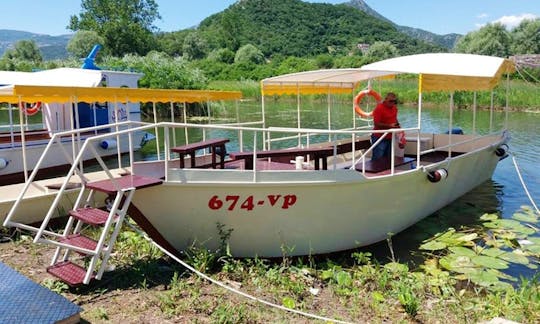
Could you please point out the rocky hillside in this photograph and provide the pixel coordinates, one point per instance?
(446, 41)
(52, 47)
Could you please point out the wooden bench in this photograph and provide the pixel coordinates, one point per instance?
(316, 154)
(382, 164)
(216, 146)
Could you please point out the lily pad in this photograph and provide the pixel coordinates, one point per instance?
(489, 217)
(463, 251)
(489, 262)
(493, 252)
(456, 263)
(483, 278)
(528, 218)
(511, 225)
(396, 267)
(514, 258)
(433, 246)
(467, 237)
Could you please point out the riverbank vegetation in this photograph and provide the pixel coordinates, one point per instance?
(462, 275)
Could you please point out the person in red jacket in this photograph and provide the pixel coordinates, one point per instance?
(384, 117)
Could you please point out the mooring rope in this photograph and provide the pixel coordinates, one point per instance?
(524, 185)
(236, 291)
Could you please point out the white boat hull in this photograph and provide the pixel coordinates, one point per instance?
(302, 212)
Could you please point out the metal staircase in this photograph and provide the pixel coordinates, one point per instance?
(91, 254)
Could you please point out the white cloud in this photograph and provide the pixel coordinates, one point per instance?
(482, 16)
(513, 21)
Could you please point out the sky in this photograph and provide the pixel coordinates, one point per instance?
(437, 16)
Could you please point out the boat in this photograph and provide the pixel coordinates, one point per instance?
(26, 127)
(236, 187)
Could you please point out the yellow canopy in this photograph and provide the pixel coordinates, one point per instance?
(328, 81)
(14, 94)
(440, 72)
(447, 71)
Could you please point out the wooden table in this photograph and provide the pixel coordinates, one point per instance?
(317, 154)
(216, 146)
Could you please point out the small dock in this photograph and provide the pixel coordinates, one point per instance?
(24, 301)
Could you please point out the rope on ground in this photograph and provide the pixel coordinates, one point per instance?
(524, 185)
(202, 275)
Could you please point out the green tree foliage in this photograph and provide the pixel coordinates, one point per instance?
(194, 46)
(82, 43)
(249, 53)
(492, 39)
(24, 50)
(223, 55)
(160, 71)
(23, 57)
(297, 28)
(526, 37)
(126, 25)
(172, 43)
(324, 61)
(382, 50)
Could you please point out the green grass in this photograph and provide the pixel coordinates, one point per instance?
(351, 286)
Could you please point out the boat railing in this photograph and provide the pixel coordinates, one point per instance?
(300, 136)
(76, 167)
(89, 146)
(451, 145)
(74, 159)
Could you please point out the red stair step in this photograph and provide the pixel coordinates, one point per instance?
(126, 181)
(68, 272)
(81, 241)
(89, 215)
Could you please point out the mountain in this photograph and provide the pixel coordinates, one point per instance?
(297, 28)
(52, 47)
(447, 41)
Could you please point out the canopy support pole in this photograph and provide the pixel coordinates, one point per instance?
(474, 114)
(154, 111)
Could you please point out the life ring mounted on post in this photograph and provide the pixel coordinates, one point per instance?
(366, 92)
(30, 109)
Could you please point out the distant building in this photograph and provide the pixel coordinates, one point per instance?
(363, 48)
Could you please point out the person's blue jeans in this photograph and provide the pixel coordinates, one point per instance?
(384, 148)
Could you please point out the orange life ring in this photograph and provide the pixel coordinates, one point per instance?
(360, 96)
(30, 110)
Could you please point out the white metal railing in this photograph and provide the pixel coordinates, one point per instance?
(74, 161)
(88, 146)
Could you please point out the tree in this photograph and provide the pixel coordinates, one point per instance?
(223, 55)
(382, 50)
(126, 25)
(526, 37)
(26, 50)
(194, 46)
(492, 39)
(82, 43)
(249, 53)
(172, 43)
(24, 56)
